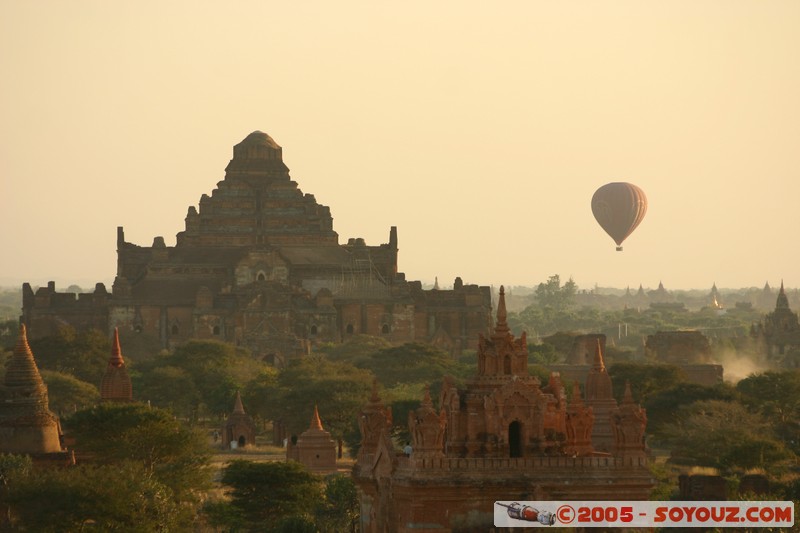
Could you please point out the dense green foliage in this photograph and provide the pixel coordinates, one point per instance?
(776, 397)
(82, 354)
(264, 493)
(9, 331)
(118, 497)
(551, 295)
(663, 404)
(724, 435)
(338, 511)
(410, 363)
(172, 454)
(338, 389)
(67, 393)
(285, 497)
(197, 378)
(645, 380)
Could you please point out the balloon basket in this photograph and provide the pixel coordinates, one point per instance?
(619, 248)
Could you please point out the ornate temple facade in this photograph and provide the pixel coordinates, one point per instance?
(260, 265)
(503, 436)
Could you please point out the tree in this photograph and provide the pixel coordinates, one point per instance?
(723, 435)
(261, 393)
(119, 497)
(551, 294)
(410, 363)
(662, 405)
(11, 466)
(67, 393)
(542, 354)
(776, 395)
(265, 493)
(644, 379)
(338, 389)
(173, 454)
(9, 331)
(83, 354)
(356, 349)
(198, 376)
(168, 387)
(338, 512)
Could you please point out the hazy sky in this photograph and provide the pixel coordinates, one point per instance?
(480, 130)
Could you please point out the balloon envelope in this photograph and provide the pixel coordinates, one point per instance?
(619, 207)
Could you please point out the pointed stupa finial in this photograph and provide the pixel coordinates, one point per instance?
(599, 364)
(316, 423)
(783, 300)
(22, 370)
(238, 408)
(116, 351)
(627, 398)
(502, 316)
(436, 283)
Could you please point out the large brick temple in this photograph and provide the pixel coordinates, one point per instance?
(260, 265)
(504, 436)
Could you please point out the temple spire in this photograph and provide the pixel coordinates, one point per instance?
(316, 423)
(116, 359)
(627, 398)
(783, 300)
(238, 408)
(22, 370)
(502, 316)
(116, 383)
(599, 364)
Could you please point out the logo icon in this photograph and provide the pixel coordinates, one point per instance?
(529, 514)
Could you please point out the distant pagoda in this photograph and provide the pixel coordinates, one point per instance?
(600, 398)
(239, 426)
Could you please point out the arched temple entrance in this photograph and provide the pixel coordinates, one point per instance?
(515, 439)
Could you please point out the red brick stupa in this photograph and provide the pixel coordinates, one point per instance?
(239, 427)
(27, 426)
(315, 448)
(116, 384)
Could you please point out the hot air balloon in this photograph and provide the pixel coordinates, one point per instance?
(619, 207)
